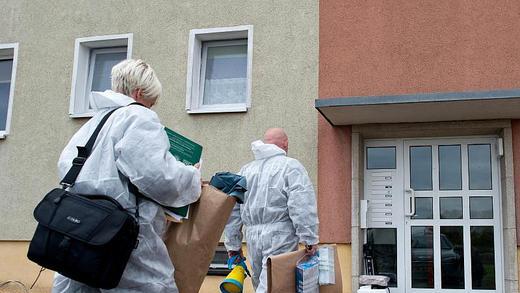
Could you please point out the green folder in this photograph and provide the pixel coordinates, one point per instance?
(183, 149)
(186, 151)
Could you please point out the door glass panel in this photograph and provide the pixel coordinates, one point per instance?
(482, 258)
(450, 207)
(381, 158)
(421, 167)
(479, 163)
(422, 257)
(481, 207)
(452, 257)
(423, 208)
(382, 244)
(450, 171)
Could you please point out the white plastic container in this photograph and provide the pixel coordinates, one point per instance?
(327, 273)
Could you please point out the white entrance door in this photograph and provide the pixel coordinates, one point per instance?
(445, 222)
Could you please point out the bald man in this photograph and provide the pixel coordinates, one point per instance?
(279, 210)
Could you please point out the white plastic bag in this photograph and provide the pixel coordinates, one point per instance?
(326, 267)
(379, 280)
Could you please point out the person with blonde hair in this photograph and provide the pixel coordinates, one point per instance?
(132, 149)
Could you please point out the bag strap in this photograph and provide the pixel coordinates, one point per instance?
(83, 154)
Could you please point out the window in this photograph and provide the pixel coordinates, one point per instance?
(8, 59)
(219, 70)
(380, 158)
(382, 246)
(94, 58)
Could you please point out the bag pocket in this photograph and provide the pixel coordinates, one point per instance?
(93, 221)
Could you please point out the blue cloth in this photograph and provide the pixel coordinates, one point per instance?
(232, 184)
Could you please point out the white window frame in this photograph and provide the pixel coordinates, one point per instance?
(82, 70)
(196, 67)
(9, 51)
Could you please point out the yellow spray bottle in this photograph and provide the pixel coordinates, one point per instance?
(234, 282)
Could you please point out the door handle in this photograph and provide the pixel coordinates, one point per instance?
(411, 203)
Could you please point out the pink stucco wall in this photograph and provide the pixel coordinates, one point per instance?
(334, 184)
(372, 47)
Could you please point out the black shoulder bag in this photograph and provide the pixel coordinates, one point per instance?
(88, 238)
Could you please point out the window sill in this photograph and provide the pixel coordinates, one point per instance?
(209, 110)
(3, 134)
(82, 115)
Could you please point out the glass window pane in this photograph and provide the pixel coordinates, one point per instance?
(382, 244)
(450, 171)
(423, 208)
(381, 158)
(422, 257)
(421, 167)
(4, 104)
(102, 69)
(481, 207)
(6, 67)
(482, 258)
(479, 163)
(452, 257)
(226, 75)
(450, 207)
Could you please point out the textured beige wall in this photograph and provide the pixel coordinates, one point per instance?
(15, 266)
(285, 59)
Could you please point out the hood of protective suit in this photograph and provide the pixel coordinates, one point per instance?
(109, 99)
(263, 150)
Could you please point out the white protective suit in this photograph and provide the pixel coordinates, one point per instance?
(279, 210)
(132, 144)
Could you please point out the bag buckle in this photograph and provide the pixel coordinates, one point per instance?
(65, 185)
(80, 161)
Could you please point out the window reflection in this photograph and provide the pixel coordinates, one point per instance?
(450, 207)
(382, 245)
(482, 258)
(225, 78)
(380, 158)
(450, 171)
(452, 257)
(102, 69)
(423, 208)
(479, 164)
(422, 257)
(6, 67)
(421, 167)
(481, 207)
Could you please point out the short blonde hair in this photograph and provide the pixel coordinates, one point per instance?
(129, 75)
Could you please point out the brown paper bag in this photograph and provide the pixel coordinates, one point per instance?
(281, 273)
(192, 243)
